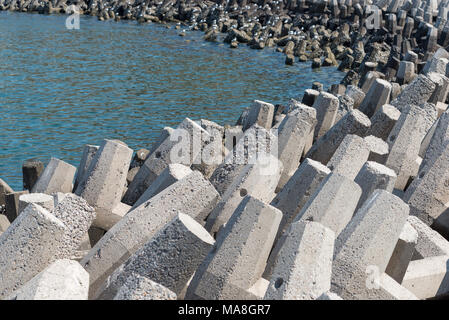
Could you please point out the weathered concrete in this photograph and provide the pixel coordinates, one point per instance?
(4, 223)
(192, 195)
(62, 280)
(383, 121)
(417, 92)
(367, 243)
(377, 96)
(326, 106)
(428, 277)
(28, 246)
(383, 287)
(378, 149)
(437, 142)
(260, 113)
(170, 258)
(57, 177)
(12, 204)
(4, 190)
(304, 264)
(89, 152)
(44, 200)
(258, 180)
(349, 157)
(173, 173)
(137, 287)
(356, 94)
(77, 215)
(31, 171)
(297, 191)
(354, 122)
(293, 133)
(329, 296)
(374, 176)
(430, 243)
(238, 259)
(105, 180)
(183, 147)
(405, 140)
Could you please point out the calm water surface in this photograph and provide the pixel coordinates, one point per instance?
(61, 89)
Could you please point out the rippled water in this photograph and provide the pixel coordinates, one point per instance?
(61, 89)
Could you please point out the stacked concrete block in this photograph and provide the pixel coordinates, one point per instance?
(4, 190)
(383, 121)
(103, 184)
(4, 223)
(377, 96)
(137, 287)
(255, 142)
(349, 157)
(62, 280)
(430, 243)
(310, 96)
(183, 147)
(260, 113)
(258, 180)
(356, 94)
(31, 171)
(77, 215)
(437, 141)
(333, 203)
(89, 152)
(403, 253)
(44, 200)
(239, 257)
(427, 278)
(369, 79)
(417, 92)
(28, 246)
(367, 244)
(326, 106)
(378, 149)
(57, 177)
(192, 195)
(406, 72)
(12, 204)
(427, 195)
(304, 264)
(374, 176)
(441, 87)
(405, 140)
(170, 258)
(165, 133)
(292, 137)
(441, 108)
(297, 191)
(354, 122)
(173, 173)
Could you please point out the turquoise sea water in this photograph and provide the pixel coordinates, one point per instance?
(61, 89)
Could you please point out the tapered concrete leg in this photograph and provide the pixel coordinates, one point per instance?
(138, 287)
(57, 177)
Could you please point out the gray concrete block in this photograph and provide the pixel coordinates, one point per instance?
(31, 171)
(4, 223)
(356, 94)
(406, 72)
(293, 133)
(192, 195)
(170, 258)
(405, 140)
(138, 287)
(374, 176)
(326, 106)
(383, 121)
(89, 152)
(367, 243)
(304, 264)
(378, 149)
(386, 288)
(12, 204)
(173, 173)
(437, 141)
(57, 177)
(105, 180)
(297, 191)
(183, 146)
(260, 113)
(239, 257)
(427, 278)
(403, 253)
(377, 96)
(62, 280)
(333, 203)
(354, 122)
(4, 190)
(349, 157)
(417, 92)
(165, 133)
(44, 200)
(28, 246)
(258, 180)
